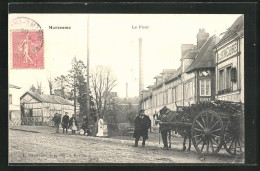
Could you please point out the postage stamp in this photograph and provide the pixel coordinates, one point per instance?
(27, 44)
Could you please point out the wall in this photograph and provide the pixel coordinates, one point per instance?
(235, 59)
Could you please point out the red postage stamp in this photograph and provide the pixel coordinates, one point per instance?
(27, 50)
(27, 44)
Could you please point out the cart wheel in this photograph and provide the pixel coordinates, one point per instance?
(234, 146)
(233, 140)
(207, 132)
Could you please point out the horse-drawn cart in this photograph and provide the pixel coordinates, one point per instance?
(210, 125)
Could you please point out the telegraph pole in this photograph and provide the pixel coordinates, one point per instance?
(88, 98)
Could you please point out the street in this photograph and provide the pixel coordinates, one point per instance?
(32, 144)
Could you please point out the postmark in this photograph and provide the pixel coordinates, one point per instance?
(27, 44)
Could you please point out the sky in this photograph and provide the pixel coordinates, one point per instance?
(113, 42)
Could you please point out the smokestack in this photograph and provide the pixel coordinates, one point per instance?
(141, 74)
(126, 96)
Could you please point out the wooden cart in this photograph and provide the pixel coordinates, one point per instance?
(215, 127)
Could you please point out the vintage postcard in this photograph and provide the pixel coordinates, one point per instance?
(126, 88)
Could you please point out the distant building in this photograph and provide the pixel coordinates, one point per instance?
(40, 108)
(230, 63)
(14, 104)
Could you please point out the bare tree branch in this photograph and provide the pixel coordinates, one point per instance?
(103, 83)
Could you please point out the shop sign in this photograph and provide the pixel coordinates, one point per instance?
(228, 51)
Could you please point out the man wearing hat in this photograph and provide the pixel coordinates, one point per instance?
(65, 122)
(56, 119)
(142, 124)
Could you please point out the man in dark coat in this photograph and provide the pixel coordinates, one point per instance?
(56, 119)
(163, 129)
(85, 125)
(142, 124)
(65, 122)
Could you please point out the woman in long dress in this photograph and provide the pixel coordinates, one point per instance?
(100, 127)
(73, 124)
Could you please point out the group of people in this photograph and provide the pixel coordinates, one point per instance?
(142, 124)
(66, 122)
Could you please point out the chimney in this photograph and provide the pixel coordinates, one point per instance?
(185, 48)
(187, 56)
(126, 96)
(141, 74)
(202, 37)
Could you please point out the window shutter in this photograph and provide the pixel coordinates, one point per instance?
(234, 75)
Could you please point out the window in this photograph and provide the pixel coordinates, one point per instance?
(169, 94)
(158, 99)
(161, 98)
(155, 101)
(221, 80)
(10, 99)
(188, 93)
(173, 95)
(228, 77)
(179, 93)
(225, 80)
(165, 98)
(205, 87)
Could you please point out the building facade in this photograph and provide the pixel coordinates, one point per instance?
(211, 70)
(192, 82)
(14, 105)
(229, 69)
(40, 108)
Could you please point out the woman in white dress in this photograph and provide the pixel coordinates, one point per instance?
(100, 127)
(73, 124)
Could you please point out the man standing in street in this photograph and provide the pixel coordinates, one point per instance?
(65, 122)
(56, 119)
(142, 124)
(163, 128)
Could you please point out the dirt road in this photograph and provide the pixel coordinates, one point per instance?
(42, 145)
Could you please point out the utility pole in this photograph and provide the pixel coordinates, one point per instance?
(75, 98)
(88, 98)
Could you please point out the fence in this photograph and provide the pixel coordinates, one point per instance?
(35, 120)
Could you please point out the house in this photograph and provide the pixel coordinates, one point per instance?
(40, 108)
(229, 56)
(14, 104)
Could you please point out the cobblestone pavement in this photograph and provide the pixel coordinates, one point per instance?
(29, 144)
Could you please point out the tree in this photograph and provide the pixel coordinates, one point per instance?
(76, 81)
(103, 83)
(51, 83)
(32, 88)
(131, 113)
(61, 88)
(39, 87)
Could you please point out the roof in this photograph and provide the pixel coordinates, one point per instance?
(158, 76)
(175, 75)
(205, 57)
(13, 86)
(48, 98)
(235, 27)
(168, 71)
(190, 55)
(146, 94)
(151, 86)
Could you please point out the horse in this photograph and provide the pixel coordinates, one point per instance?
(171, 116)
